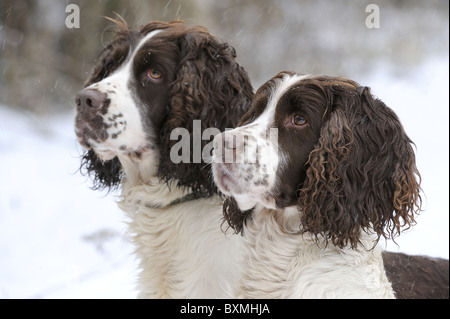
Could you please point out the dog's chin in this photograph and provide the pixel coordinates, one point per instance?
(246, 196)
(105, 155)
(225, 180)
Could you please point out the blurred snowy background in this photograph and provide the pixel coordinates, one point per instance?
(60, 239)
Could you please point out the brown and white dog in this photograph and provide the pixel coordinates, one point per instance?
(147, 84)
(319, 171)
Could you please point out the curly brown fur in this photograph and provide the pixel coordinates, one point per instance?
(362, 174)
(210, 86)
(234, 216)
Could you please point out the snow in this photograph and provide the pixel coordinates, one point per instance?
(60, 239)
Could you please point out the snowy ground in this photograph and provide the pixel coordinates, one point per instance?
(59, 239)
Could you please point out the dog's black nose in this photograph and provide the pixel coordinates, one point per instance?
(89, 99)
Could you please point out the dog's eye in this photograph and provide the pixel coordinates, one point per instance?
(298, 120)
(154, 74)
(109, 65)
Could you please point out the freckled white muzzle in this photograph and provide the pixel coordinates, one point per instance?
(245, 161)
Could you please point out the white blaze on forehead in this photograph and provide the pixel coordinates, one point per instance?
(281, 87)
(126, 68)
(147, 37)
(124, 72)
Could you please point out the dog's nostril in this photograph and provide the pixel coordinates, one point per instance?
(90, 98)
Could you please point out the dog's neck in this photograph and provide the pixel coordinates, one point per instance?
(286, 219)
(138, 171)
(286, 222)
(284, 262)
(142, 186)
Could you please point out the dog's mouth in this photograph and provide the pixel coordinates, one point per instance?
(91, 133)
(89, 130)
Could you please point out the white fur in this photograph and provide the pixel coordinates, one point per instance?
(182, 250)
(281, 264)
(256, 162)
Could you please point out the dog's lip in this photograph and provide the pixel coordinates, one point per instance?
(88, 129)
(107, 150)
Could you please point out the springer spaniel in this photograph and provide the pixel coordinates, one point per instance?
(146, 84)
(316, 174)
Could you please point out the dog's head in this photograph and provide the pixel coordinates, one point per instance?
(328, 146)
(147, 83)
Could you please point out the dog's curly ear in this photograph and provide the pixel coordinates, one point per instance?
(362, 174)
(104, 174)
(210, 86)
(234, 216)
